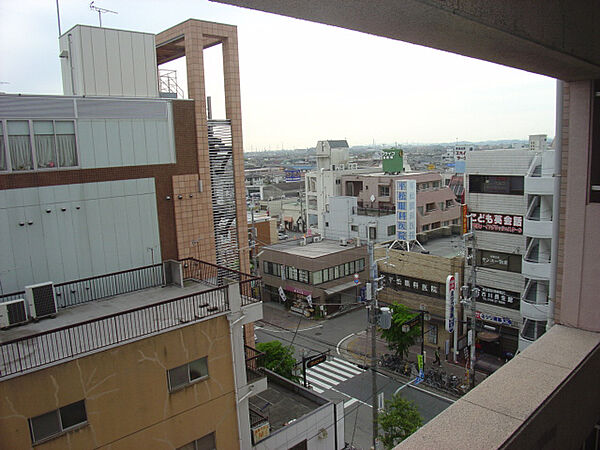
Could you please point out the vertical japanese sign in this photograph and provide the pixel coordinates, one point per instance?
(450, 300)
(465, 219)
(406, 210)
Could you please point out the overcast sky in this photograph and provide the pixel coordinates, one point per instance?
(302, 81)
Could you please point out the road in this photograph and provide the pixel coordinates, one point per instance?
(339, 374)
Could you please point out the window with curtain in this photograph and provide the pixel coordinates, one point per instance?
(19, 145)
(65, 143)
(45, 145)
(2, 149)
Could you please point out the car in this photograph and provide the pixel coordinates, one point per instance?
(282, 236)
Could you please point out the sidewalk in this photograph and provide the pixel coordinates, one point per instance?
(358, 349)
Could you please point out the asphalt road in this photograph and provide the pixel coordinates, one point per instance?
(339, 375)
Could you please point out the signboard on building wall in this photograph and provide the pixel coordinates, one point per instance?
(400, 282)
(406, 210)
(465, 219)
(491, 318)
(450, 299)
(500, 223)
(260, 432)
(499, 297)
(392, 160)
(292, 175)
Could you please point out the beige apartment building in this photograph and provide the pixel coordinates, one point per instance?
(436, 203)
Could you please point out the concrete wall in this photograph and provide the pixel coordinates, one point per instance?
(127, 400)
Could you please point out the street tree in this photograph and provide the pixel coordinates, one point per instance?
(399, 419)
(398, 340)
(278, 358)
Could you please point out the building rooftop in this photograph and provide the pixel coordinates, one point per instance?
(337, 144)
(99, 312)
(310, 250)
(446, 246)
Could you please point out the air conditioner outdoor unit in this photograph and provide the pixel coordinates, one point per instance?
(343, 242)
(317, 239)
(13, 312)
(41, 300)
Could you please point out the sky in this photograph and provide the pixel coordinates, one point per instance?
(302, 82)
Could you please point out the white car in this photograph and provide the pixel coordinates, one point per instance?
(282, 236)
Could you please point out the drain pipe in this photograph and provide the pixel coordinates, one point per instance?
(556, 201)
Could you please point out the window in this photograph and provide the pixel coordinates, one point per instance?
(19, 145)
(360, 265)
(454, 221)
(445, 223)
(372, 233)
(327, 224)
(338, 181)
(490, 184)
(2, 148)
(449, 203)
(326, 276)
(430, 207)
(271, 268)
(316, 277)
(425, 227)
(436, 184)
(187, 374)
(303, 276)
(58, 421)
(384, 191)
(353, 227)
(435, 225)
(204, 443)
(391, 230)
(291, 273)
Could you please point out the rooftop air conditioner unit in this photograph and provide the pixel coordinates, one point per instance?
(12, 313)
(41, 300)
(343, 242)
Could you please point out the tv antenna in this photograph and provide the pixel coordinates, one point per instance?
(101, 11)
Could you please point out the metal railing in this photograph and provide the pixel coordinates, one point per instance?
(76, 292)
(373, 212)
(256, 416)
(22, 354)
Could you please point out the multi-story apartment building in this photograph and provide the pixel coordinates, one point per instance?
(512, 229)
(547, 396)
(374, 193)
(333, 161)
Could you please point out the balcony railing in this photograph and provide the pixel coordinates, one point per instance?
(253, 363)
(373, 212)
(40, 349)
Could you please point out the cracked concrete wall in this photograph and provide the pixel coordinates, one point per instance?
(126, 394)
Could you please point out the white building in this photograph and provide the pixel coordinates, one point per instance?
(511, 208)
(333, 161)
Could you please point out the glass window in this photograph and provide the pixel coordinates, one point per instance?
(391, 230)
(198, 369)
(303, 276)
(178, 377)
(19, 145)
(352, 267)
(45, 145)
(317, 277)
(56, 422)
(331, 273)
(325, 275)
(336, 272)
(353, 227)
(65, 143)
(2, 149)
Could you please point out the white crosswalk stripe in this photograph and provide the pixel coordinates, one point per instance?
(331, 373)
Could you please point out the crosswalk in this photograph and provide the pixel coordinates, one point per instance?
(330, 373)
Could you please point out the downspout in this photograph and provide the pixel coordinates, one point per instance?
(556, 201)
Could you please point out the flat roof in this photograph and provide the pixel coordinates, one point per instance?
(446, 246)
(311, 250)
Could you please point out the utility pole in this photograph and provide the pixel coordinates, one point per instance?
(473, 294)
(373, 319)
(253, 243)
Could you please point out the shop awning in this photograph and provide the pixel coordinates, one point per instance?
(340, 288)
(488, 336)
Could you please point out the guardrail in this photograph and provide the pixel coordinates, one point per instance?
(33, 351)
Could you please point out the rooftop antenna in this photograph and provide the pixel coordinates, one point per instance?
(100, 11)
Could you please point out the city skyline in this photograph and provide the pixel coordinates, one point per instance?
(302, 82)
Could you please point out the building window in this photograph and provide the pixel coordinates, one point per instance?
(327, 224)
(58, 421)
(430, 207)
(436, 184)
(445, 223)
(354, 228)
(271, 268)
(490, 184)
(435, 225)
(303, 276)
(291, 273)
(204, 443)
(454, 221)
(372, 233)
(432, 334)
(189, 373)
(384, 191)
(338, 181)
(2, 148)
(19, 145)
(449, 203)
(391, 230)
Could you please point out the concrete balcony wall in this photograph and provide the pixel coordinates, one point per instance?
(534, 311)
(537, 228)
(538, 271)
(539, 185)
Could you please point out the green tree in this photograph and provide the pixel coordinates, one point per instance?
(278, 358)
(399, 420)
(398, 340)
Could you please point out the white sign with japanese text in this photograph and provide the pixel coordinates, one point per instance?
(500, 223)
(406, 210)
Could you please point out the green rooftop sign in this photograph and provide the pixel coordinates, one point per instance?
(392, 160)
